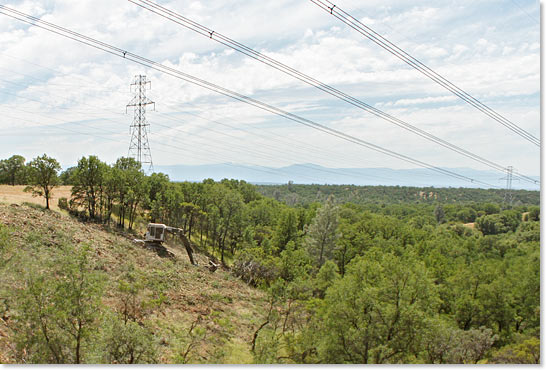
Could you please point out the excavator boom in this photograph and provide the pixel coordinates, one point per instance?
(188, 247)
(155, 234)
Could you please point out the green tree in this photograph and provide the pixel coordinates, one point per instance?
(326, 277)
(286, 229)
(490, 224)
(155, 202)
(523, 281)
(377, 311)
(43, 177)
(110, 192)
(294, 263)
(322, 233)
(439, 214)
(13, 170)
(498, 223)
(466, 215)
(525, 352)
(491, 208)
(67, 176)
(58, 308)
(262, 211)
(132, 189)
(444, 344)
(224, 210)
(89, 184)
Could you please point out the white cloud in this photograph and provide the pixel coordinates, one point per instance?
(437, 99)
(490, 52)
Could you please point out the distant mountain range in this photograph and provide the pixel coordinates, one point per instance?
(314, 174)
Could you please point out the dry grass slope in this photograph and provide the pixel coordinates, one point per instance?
(227, 310)
(15, 195)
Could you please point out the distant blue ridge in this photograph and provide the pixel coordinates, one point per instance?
(314, 174)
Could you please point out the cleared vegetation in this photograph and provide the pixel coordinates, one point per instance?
(181, 313)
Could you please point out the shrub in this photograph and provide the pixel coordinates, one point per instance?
(63, 204)
(128, 343)
(34, 206)
(498, 223)
(534, 214)
(58, 308)
(254, 267)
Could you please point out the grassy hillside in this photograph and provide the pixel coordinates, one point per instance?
(166, 297)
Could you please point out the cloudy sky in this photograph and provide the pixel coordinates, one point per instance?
(68, 100)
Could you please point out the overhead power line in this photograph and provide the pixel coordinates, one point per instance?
(208, 144)
(254, 167)
(224, 40)
(265, 155)
(288, 142)
(367, 32)
(525, 11)
(254, 153)
(226, 92)
(289, 146)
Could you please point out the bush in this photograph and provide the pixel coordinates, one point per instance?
(58, 308)
(34, 206)
(534, 214)
(526, 352)
(498, 223)
(466, 215)
(253, 267)
(63, 204)
(128, 343)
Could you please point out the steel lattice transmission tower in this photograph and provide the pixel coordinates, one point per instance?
(139, 148)
(508, 196)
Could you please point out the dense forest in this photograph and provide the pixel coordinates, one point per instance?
(351, 274)
(293, 194)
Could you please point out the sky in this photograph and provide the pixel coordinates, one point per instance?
(69, 100)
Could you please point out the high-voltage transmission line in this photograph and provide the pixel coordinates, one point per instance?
(139, 148)
(367, 32)
(224, 40)
(223, 91)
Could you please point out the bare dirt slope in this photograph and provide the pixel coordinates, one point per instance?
(227, 310)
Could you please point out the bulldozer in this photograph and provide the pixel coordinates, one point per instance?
(155, 237)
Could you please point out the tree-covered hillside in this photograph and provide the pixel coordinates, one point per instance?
(304, 194)
(331, 281)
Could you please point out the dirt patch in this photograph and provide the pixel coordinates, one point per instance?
(15, 194)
